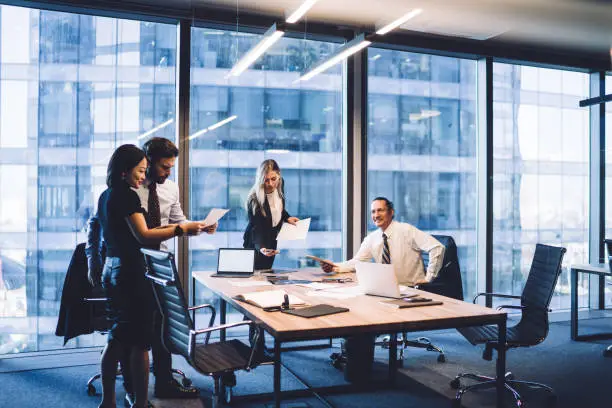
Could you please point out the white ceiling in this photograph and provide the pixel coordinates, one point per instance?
(584, 24)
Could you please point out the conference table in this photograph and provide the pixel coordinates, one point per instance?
(366, 315)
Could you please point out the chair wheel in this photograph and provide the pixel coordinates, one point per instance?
(91, 390)
(441, 358)
(186, 382)
(455, 384)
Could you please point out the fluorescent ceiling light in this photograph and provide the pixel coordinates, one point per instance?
(268, 39)
(297, 14)
(277, 151)
(355, 45)
(374, 58)
(392, 26)
(155, 129)
(213, 127)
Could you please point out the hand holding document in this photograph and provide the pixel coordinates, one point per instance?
(290, 232)
(214, 215)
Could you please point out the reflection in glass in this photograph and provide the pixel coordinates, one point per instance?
(297, 124)
(540, 192)
(73, 88)
(422, 145)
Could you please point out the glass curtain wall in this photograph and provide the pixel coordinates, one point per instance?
(541, 188)
(608, 158)
(422, 127)
(72, 88)
(264, 113)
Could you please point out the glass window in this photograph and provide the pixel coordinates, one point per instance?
(72, 89)
(422, 145)
(540, 185)
(270, 117)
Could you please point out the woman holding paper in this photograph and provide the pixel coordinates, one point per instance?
(266, 210)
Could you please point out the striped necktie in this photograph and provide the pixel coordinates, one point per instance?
(154, 213)
(386, 255)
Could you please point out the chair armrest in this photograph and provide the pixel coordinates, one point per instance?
(160, 281)
(221, 327)
(510, 307)
(207, 305)
(213, 315)
(500, 295)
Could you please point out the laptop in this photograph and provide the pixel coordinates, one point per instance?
(235, 263)
(378, 279)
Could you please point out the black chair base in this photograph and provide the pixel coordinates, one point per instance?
(484, 382)
(421, 342)
(91, 388)
(608, 352)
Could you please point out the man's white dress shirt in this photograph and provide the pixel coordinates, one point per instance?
(169, 206)
(406, 243)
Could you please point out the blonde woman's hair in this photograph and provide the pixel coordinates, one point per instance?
(257, 194)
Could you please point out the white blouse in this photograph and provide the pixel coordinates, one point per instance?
(276, 207)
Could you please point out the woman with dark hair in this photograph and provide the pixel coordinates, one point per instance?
(266, 210)
(130, 300)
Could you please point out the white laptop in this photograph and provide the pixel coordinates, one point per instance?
(235, 263)
(378, 280)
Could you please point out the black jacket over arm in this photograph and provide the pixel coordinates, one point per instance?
(261, 234)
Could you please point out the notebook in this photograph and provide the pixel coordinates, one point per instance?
(268, 298)
(235, 263)
(316, 311)
(410, 302)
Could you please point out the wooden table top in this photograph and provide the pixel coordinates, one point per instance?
(366, 313)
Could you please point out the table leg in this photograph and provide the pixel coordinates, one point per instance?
(222, 317)
(392, 358)
(602, 292)
(574, 303)
(501, 362)
(277, 373)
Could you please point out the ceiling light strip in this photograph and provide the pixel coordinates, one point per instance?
(299, 13)
(155, 129)
(213, 127)
(342, 53)
(392, 26)
(269, 38)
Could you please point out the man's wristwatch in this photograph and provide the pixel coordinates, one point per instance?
(178, 231)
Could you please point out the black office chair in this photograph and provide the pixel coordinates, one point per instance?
(532, 329)
(217, 360)
(447, 283)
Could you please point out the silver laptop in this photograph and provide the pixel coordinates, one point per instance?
(235, 263)
(377, 279)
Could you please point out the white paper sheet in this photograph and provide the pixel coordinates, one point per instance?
(291, 232)
(214, 215)
(248, 283)
(319, 285)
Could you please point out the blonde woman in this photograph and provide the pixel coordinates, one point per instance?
(266, 210)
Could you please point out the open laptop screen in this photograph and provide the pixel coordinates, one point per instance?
(236, 260)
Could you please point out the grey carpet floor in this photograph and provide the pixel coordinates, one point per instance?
(577, 371)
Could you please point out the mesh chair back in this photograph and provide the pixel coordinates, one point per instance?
(543, 276)
(176, 320)
(448, 282)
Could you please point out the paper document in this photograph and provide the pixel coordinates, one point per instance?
(244, 283)
(214, 215)
(319, 285)
(291, 232)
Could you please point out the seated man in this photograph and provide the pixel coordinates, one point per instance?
(396, 243)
